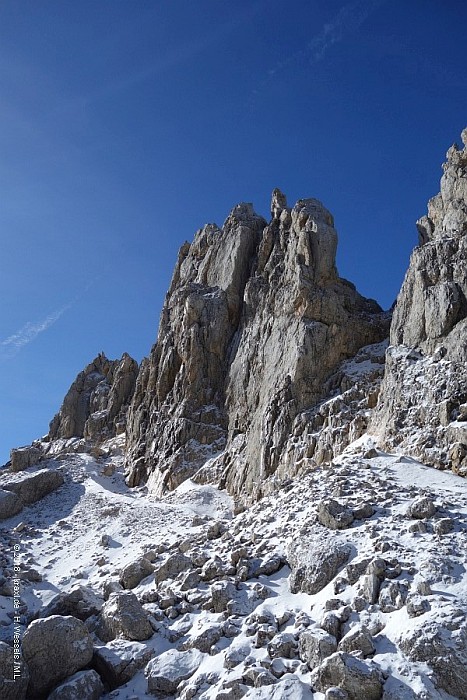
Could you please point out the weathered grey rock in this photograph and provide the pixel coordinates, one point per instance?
(96, 403)
(119, 660)
(165, 672)
(81, 602)
(82, 685)
(331, 623)
(204, 640)
(24, 457)
(315, 562)
(335, 693)
(133, 573)
(240, 349)
(30, 487)
(392, 596)
(358, 639)
(334, 515)
(444, 648)
(416, 605)
(11, 687)
(258, 677)
(53, 649)
(425, 382)
(123, 616)
(222, 593)
(10, 504)
(316, 645)
(283, 645)
(171, 567)
(357, 678)
(369, 588)
(420, 508)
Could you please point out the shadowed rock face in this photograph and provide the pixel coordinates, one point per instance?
(425, 385)
(255, 320)
(96, 403)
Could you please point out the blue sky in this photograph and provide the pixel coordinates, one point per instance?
(125, 125)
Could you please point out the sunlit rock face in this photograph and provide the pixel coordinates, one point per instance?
(96, 403)
(255, 321)
(422, 407)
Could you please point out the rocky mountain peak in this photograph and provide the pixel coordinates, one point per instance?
(95, 405)
(255, 321)
(447, 211)
(422, 405)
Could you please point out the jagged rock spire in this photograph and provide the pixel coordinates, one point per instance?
(256, 318)
(425, 385)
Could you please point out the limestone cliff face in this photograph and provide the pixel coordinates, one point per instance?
(255, 321)
(422, 402)
(95, 405)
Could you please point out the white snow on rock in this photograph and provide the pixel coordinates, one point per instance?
(225, 622)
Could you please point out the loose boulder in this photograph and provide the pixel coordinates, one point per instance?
(10, 504)
(334, 515)
(12, 688)
(84, 685)
(119, 660)
(358, 679)
(24, 457)
(166, 671)
(30, 487)
(53, 649)
(315, 562)
(123, 616)
(316, 645)
(132, 574)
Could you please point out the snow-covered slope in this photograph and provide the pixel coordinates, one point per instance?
(387, 620)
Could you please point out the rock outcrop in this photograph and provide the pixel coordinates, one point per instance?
(255, 322)
(422, 407)
(19, 490)
(95, 405)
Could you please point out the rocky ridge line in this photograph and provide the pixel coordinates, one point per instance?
(255, 321)
(423, 401)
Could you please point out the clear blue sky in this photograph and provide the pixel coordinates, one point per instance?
(125, 125)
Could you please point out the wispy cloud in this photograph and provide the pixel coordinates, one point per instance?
(29, 332)
(349, 18)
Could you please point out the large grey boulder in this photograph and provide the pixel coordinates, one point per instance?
(24, 457)
(425, 382)
(315, 561)
(165, 672)
(359, 679)
(133, 573)
(255, 321)
(30, 487)
(334, 515)
(119, 660)
(358, 639)
(171, 567)
(12, 686)
(316, 645)
(442, 645)
(84, 685)
(123, 616)
(10, 504)
(81, 602)
(53, 649)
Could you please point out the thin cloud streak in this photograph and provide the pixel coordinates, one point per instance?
(349, 18)
(29, 332)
